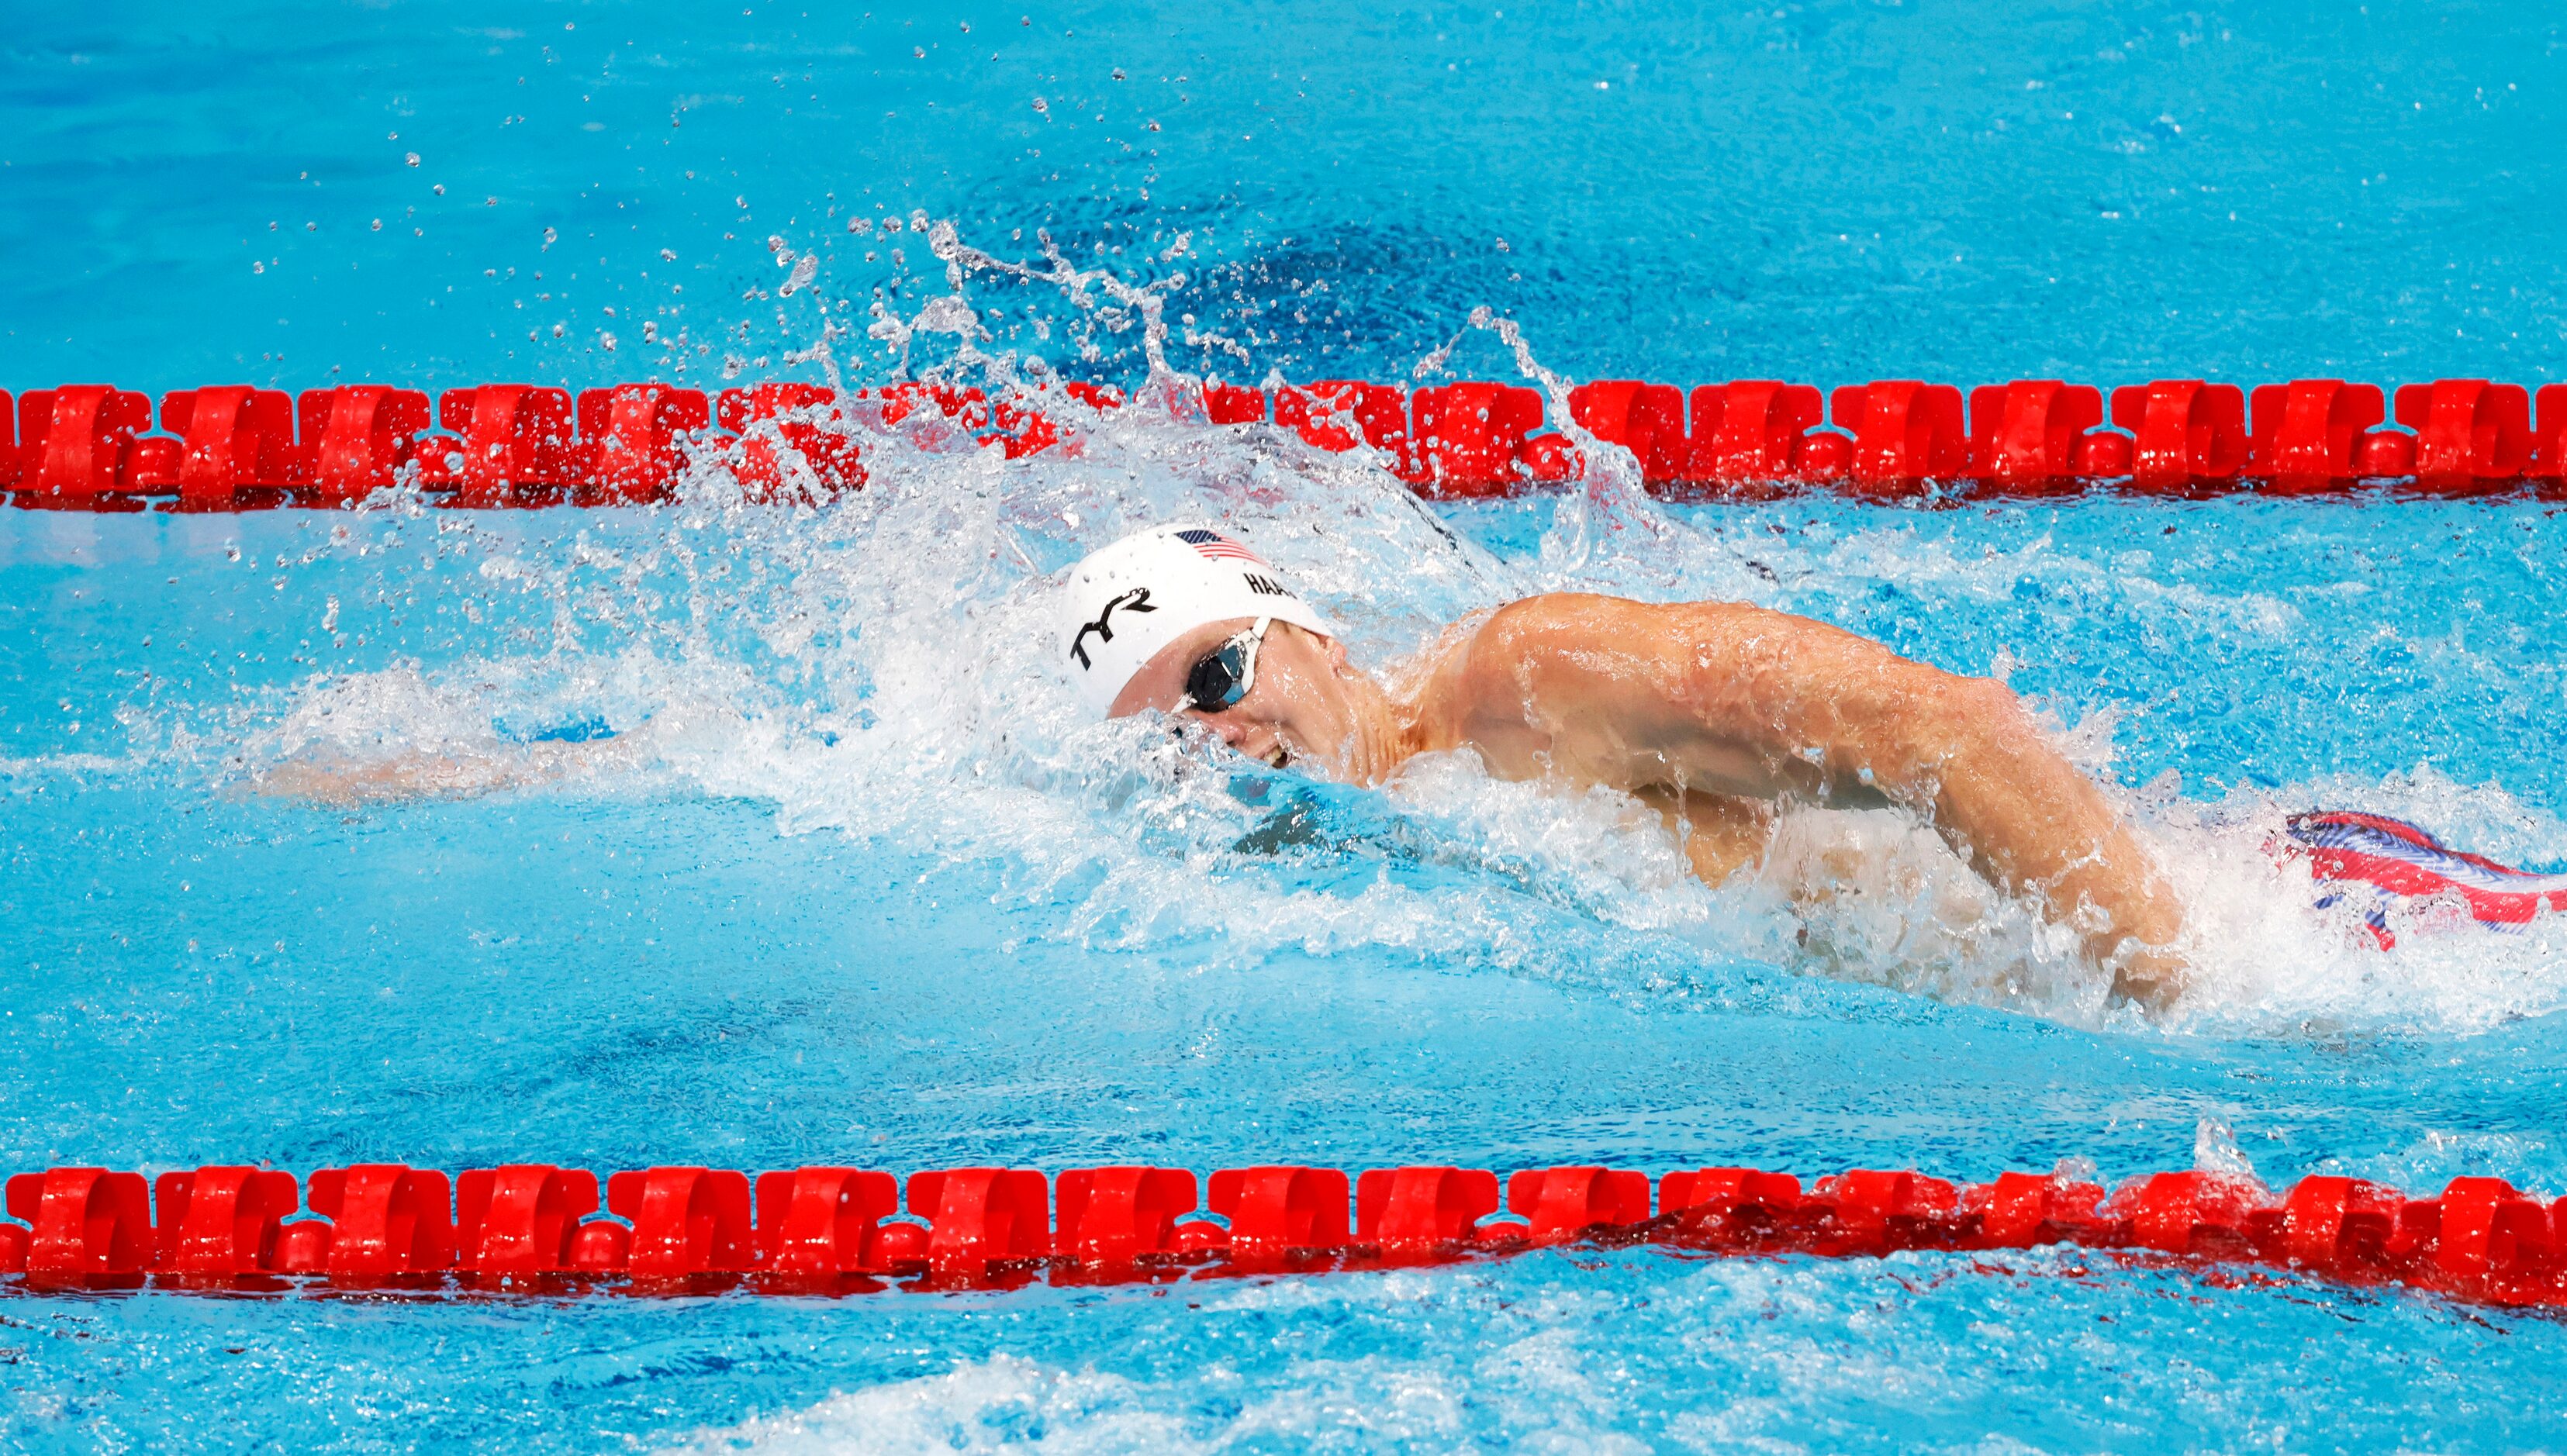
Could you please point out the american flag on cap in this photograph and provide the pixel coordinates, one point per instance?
(1212, 546)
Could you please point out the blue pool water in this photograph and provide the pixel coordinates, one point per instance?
(855, 886)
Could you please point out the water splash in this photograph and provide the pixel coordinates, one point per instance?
(2216, 1151)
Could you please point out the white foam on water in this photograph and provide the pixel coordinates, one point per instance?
(2271, 961)
(1549, 1388)
(1003, 1403)
(1552, 1353)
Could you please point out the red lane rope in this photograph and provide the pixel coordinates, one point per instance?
(234, 447)
(544, 1229)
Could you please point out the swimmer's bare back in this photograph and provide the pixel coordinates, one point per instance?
(1713, 711)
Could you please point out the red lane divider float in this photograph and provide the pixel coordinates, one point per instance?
(234, 447)
(833, 1230)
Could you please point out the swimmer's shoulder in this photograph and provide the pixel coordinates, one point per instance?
(1579, 642)
(1578, 621)
(1585, 620)
(1499, 635)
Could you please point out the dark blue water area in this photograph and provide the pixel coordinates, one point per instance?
(1829, 191)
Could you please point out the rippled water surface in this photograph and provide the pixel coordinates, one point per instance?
(848, 880)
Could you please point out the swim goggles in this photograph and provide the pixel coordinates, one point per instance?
(1223, 676)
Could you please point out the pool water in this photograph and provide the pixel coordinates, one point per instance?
(848, 881)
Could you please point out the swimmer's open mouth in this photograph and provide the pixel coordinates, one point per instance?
(1279, 757)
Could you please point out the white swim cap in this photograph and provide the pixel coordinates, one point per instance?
(1127, 600)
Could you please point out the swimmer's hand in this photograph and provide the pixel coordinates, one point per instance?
(2151, 978)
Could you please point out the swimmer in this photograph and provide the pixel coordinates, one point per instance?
(1713, 713)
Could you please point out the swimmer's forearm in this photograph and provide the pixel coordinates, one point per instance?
(419, 775)
(1739, 700)
(1963, 752)
(2032, 822)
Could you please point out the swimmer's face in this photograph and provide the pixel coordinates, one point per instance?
(1300, 712)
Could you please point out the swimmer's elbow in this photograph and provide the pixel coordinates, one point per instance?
(1953, 721)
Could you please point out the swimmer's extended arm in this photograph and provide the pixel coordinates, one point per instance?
(347, 782)
(1728, 699)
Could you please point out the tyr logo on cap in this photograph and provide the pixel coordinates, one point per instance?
(1136, 599)
(1183, 577)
